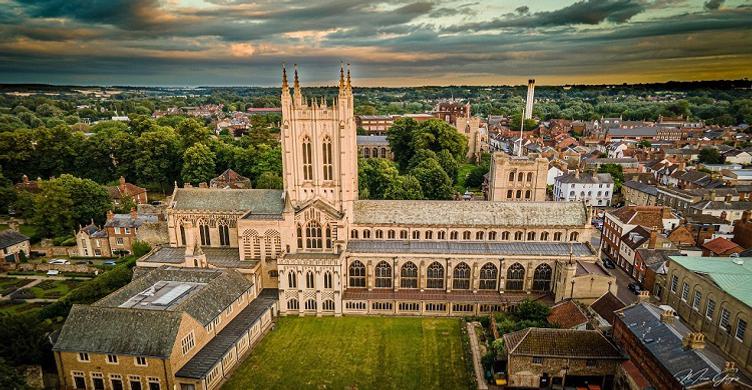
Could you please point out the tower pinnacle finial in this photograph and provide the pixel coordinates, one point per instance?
(341, 75)
(285, 87)
(349, 85)
(296, 84)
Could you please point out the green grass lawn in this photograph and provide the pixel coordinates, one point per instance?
(53, 289)
(357, 353)
(10, 284)
(28, 230)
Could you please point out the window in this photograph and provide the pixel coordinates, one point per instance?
(488, 275)
(127, 230)
(383, 275)
(367, 233)
(479, 235)
(518, 236)
(674, 283)
(309, 279)
(117, 230)
(725, 315)
(327, 279)
(313, 235)
(135, 382)
(357, 274)
(116, 382)
(409, 306)
(461, 277)
(310, 305)
(685, 292)
(453, 235)
(520, 176)
(509, 194)
(515, 277)
(119, 241)
(696, 301)
(491, 236)
(416, 235)
(390, 234)
(379, 233)
(409, 275)
(531, 236)
(574, 236)
(527, 194)
(466, 235)
(83, 357)
(293, 304)
(537, 360)
(328, 305)
(403, 234)
(112, 359)
(529, 176)
(187, 343)
(542, 278)
(79, 381)
(710, 309)
(511, 176)
(292, 280)
(153, 383)
(441, 235)
(204, 232)
(353, 233)
(299, 231)
(557, 236)
(741, 327)
(435, 276)
(97, 380)
(327, 159)
(429, 235)
(224, 235)
(519, 194)
(141, 361)
(307, 159)
(381, 306)
(355, 305)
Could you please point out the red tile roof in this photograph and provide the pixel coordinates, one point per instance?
(567, 314)
(722, 246)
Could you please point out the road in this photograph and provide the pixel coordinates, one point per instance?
(622, 279)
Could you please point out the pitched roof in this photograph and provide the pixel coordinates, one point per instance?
(732, 275)
(642, 187)
(436, 212)
(636, 237)
(128, 189)
(722, 246)
(11, 237)
(372, 140)
(126, 220)
(585, 178)
(567, 314)
(547, 342)
(469, 247)
(649, 216)
(606, 305)
(258, 201)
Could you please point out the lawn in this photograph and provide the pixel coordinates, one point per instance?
(10, 284)
(357, 353)
(53, 289)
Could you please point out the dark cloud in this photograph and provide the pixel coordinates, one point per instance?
(589, 12)
(713, 4)
(122, 13)
(522, 10)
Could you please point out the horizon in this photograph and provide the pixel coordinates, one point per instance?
(394, 43)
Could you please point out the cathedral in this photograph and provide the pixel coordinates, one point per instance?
(327, 252)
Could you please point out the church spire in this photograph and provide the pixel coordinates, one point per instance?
(297, 95)
(285, 87)
(341, 77)
(349, 86)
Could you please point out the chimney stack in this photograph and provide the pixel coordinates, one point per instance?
(643, 295)
(122, 184)
(529, 101)
(693, 340)
(134, 213)
(653, 239)
(667, 316)
(109, 215)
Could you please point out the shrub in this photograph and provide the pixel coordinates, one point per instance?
(140, 248)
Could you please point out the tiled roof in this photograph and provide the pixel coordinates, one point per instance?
(218, 257)
(642, 187)
(634, 132)
(650, 216)
(655, 256)
(457, 213)
(718, 205)
(586, 178)
(126, 220)
(469, 247)
(545, 342)
(606, 305)
(567, 314)
(130, 190)
(732, 275)
(722, 246)
(11, 237)
(258, 201)
(372, 140)
(635, 237)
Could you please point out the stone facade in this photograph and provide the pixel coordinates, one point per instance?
(517, 178)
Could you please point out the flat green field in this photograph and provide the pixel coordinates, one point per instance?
(356, 353)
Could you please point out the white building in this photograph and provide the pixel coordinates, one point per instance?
(594, 188)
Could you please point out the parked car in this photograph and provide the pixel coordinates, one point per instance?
(53, 272)
(109, 262)
(634, 287)
(609, 264)
(59, 261)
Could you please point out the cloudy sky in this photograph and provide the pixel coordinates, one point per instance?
(389, 43)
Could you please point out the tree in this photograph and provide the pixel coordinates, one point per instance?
(616, 172)
(437, 135)
(10, 378)
(90, 200)
(434, 182)
(376, 174)
(157, 159)
(191, 132)
(644, 144)
(24, 339)
(269, 180)
(531, 311)
(400, 139)
(709, 156)
(198, 164)
(449, 164)
(514, 123)
(53, 210)
(404, 187)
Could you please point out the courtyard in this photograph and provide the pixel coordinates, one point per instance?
(357, 353)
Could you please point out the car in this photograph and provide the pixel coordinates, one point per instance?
(634, 287)
(609, 264)
(53, 272)
(109, 262)
(58, 261)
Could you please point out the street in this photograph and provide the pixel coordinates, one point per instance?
(622, 279)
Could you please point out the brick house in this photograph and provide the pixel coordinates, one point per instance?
(127, 190)
(12, 244)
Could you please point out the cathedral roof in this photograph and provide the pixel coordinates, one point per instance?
(470, 247)
(258, 201)
(436, 212)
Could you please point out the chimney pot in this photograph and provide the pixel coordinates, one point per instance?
(694, 340)
(667, 316)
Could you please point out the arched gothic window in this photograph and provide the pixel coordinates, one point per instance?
(509, 194)
(544, 236)
(224, 235)
(383, 275)
(204, 232)
(310, 305)
(327, 279)
(390, 234)
(328, 305)
(492, 236)
(327, 158)
(357, 274)
(292, 280)
(299, 231)
(488, 275)
(515, 277)
(435, 276)
(518, 236)
(182, 236)
(403, 234)
(313, 235)
(453, 235)
(557, 236)
(353, 233)
(441, 235)
(529, 176)
(504, 236)
(409, 275)
(293, 304)
(511, 176)
(309, 280)
(574, 236)
(520, 176)
(328, 236)
(531, 236)
(466, 235)
(366, 233)
(542, 278)
(479, 235)
(461, 277)
(307, 159)
(527, 194)
(379, 233)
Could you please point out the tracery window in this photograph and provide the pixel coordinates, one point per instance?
(327, 159)
(383, 275)
(435, 276)
(488, 275)
(461, 277)
(542, 278)
(409, 275)
(307, 159)
(357, 273)
(205, 237)
(313, 235)
(515, 277)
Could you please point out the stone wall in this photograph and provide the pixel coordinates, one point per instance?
(83, 268)
(154, 233)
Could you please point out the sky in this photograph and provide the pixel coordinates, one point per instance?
(389, 43)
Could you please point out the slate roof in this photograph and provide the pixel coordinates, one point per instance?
(642, 187)
(563, 343)
(732, 275)
(606, 305)
(11, 237)
(586, 178)
(469, 247)
(567, 315)
(200, 365)
(635, 237)
(126, 220)
(664, 342)
(372, 140)
(119, 331)
(258, 201)
(634, 132)
(455, 213)
(218, 257)
(718, 205)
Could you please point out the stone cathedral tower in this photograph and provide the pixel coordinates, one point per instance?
(319, 148)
